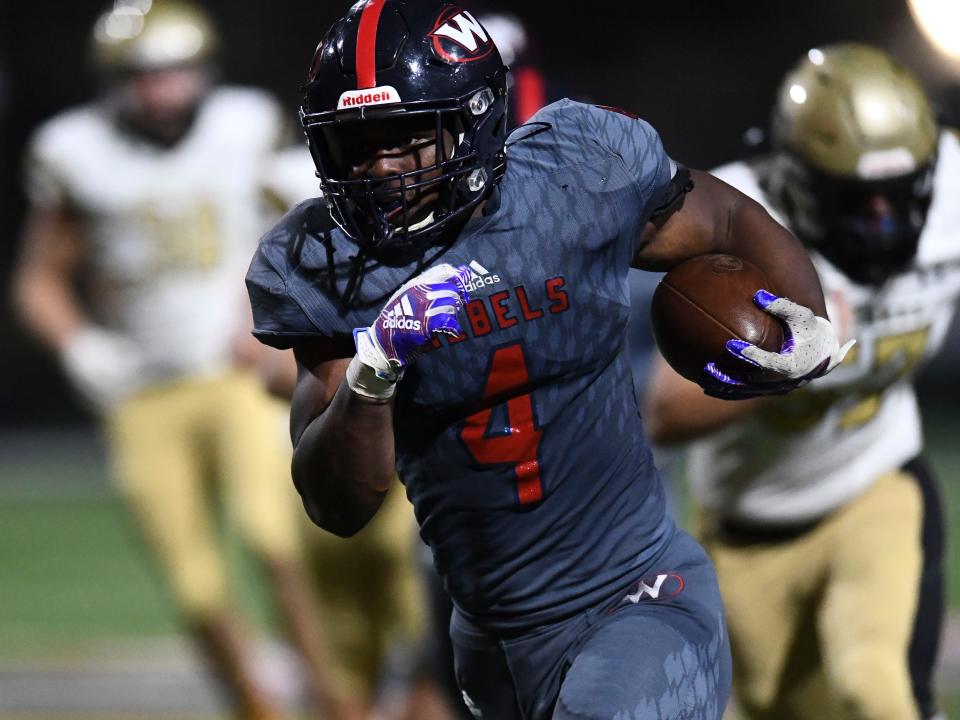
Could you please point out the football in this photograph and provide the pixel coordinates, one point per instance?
(704, 302)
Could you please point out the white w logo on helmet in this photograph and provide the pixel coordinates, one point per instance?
(464, 30)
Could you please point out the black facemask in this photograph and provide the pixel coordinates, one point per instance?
(869, 229)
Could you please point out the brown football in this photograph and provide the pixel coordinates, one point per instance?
(702, 303)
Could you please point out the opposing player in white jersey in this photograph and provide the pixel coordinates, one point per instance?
(818, 509)
(148, 198)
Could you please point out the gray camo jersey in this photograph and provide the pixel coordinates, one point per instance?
(520, 443)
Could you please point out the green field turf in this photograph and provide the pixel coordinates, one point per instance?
(72, 566)
(73, 569)
(943, 445)
(74, 575)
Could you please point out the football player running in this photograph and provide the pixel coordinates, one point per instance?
(148, 198)
(818, 509)
(457, 304)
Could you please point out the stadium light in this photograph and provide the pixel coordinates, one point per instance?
(940, 22)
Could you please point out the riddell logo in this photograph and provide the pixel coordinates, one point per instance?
(401, 317)
(480, 277)
(383, 95)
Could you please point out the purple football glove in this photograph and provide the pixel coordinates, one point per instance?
(811, 349)
(422, 307)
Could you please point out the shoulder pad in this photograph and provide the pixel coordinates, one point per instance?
(285, 277)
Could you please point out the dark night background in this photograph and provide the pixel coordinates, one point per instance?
(701, 73)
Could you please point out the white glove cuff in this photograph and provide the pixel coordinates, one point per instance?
(369, 382)
(371, 354)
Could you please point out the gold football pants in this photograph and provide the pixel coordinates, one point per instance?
(370, 592)
(839, 621)
(182, 449)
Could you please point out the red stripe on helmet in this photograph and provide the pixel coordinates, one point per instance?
(367, 45)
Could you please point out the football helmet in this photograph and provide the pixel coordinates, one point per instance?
(855, 143)
(142, 36)
(155, 60)
(406, 63)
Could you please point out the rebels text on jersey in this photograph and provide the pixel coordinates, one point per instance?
(519, 442)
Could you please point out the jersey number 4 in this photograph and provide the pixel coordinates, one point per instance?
(518, 441)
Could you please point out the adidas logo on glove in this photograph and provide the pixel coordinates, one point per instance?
(401, 317)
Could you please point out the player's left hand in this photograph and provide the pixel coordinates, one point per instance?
(811, 349)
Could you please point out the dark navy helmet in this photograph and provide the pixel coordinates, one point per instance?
(404, 64)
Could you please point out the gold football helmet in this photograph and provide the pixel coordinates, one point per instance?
(855, 143)
(140, 35)
(155, 58)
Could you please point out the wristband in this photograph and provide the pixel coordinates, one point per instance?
(369, 383)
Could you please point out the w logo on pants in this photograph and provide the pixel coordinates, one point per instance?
(658, 587)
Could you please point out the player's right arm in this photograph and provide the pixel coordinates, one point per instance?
(102, 365)
(343, 460)
(43, 279)
(342, 416)
(52, 247)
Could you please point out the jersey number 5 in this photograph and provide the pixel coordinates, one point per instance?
(519, 440)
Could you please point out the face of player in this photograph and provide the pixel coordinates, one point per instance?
(872, 213)
(874, 228)
(161, 104)
(395, 153)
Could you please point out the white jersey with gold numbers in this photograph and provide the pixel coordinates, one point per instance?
(169, 231)
(813, 450)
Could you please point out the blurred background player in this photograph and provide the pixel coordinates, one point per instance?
(818, 509)
(144, 212)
